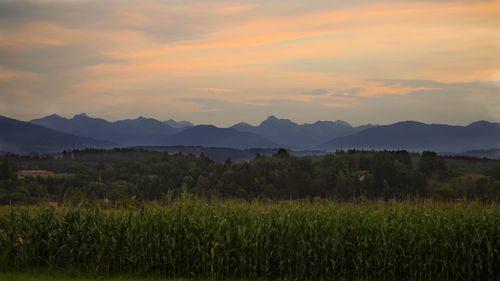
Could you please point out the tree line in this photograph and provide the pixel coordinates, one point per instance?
(135, 175)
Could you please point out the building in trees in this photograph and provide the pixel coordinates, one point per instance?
(34, 173)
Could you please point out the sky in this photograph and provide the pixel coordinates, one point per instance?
(223, 62)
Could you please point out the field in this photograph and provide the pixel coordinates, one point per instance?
(289, 240)
(45, 276)
(57, 276)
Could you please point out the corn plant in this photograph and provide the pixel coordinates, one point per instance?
(283, 240)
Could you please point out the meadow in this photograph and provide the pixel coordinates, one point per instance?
(285, 240)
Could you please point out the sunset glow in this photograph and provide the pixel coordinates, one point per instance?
(222, 62)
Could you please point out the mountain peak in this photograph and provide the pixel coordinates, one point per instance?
(178, 124)
(144, 119)
(49, 118)
(54, 115)
(206, 126)
(342, 122)
(81, 115)
(337, 122)
(271, 120)
(480, 123)
(408, 123)
(241, 124)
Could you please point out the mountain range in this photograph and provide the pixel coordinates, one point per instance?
(54, 132)
(304, 136)
(23, 137)
(416, 136)
(128, 132)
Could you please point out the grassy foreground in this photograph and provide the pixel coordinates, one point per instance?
(286, 240)
(26, 276)
(44, 276)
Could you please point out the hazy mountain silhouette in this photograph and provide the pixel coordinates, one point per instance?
(139, 131)
(417, 136)
(221, 154)
(481, 153)
(211, 136)
(291, 134)
(82, 130)
(23, 137)
(178, 124)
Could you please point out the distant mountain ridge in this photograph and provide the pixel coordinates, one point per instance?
(178, 124)
(211, 136)
(293, 135)
(416, 136)
(482, 153)
(82, 131)
(139, 131)
(23, 137)
(221, 154)
(148, 131)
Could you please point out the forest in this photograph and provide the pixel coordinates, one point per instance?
(136, 175)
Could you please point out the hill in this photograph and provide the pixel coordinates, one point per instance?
(482, 153)
(415, 136)
(23, 137)
(211, 136)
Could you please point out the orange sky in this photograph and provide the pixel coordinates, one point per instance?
(228, 61)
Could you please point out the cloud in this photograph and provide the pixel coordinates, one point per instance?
(217, 90)
(203, 58)
(10, 75)
(352, 92)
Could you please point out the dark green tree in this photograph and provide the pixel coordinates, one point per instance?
(430, 163)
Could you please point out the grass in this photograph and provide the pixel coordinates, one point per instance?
(40, 276)
(283, 240)
(46, 276)
(59, 276)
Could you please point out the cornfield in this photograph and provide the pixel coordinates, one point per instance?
(286, 241)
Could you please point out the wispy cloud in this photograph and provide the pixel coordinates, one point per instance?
(217, 90)
(315, 59)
